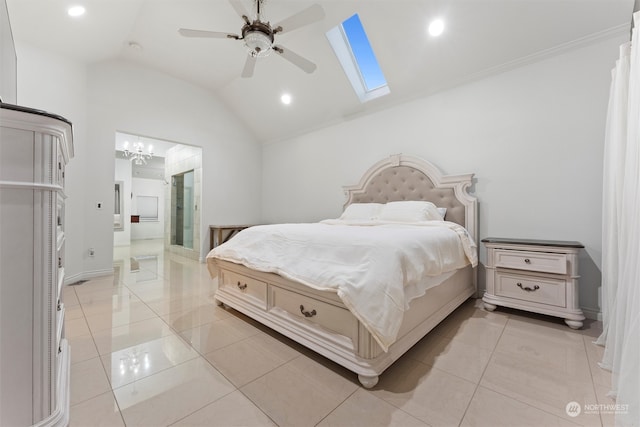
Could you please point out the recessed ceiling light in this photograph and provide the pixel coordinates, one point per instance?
(436, 27)
(76, 11)
(286, 99)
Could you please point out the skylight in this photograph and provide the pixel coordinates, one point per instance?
(351, 45)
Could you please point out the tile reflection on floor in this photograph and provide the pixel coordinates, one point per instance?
(149, 347)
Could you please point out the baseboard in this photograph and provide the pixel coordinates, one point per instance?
(86, 275)
(592, 313)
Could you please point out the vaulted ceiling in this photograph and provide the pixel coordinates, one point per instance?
(481, 37)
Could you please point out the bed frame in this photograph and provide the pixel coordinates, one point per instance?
(318, 319)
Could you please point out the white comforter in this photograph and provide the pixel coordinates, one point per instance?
(375, 268)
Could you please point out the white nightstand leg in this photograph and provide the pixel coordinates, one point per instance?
(573, 324)
(489, 307)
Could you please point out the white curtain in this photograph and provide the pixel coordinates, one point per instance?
(621, 234)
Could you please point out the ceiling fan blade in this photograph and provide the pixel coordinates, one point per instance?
(207, 34)
(249, 66)
(297, 60)
(307, 16)
(240, 10)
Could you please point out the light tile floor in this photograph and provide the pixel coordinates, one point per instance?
(151, 348)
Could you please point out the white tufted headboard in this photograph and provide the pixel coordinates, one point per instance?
(402, 177)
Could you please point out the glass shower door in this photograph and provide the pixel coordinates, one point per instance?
(182, 210)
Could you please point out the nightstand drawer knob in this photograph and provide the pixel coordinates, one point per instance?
(526, 288)
(527, 261)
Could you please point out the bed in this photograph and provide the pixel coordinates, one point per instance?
(325, 319)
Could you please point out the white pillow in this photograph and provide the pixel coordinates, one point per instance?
(442, 212)
(410, 211)
(361, 211)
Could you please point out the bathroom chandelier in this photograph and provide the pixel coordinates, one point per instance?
(137, 154)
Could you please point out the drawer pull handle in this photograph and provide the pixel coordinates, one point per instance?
(307, 313)
(526, 288)
(242, 287)
(527, 261)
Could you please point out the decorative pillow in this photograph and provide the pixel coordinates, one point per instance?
(361, 211)
(442, 212)
(410, 211)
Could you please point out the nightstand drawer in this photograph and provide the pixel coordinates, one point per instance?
(531, 261)
(543, 290)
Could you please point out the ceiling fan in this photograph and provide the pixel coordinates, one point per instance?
(259, 36)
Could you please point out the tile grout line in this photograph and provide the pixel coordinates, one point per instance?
(475, 390)
(515, 398)
(113, 396)
(337, 406)
(255, 379)
(236, 388)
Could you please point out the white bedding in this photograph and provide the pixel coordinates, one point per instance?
(375, 267)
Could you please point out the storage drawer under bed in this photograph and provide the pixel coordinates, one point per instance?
(255, 289)
(331, 317)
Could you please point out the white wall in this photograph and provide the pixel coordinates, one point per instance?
(8, 68)
(123, 173)
(151, 229)
(58, 84)
(533, 136)
(116, 96)
(133, 187)
(129, 98)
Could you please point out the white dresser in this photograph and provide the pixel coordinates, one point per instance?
(34, 355)
(534, 275)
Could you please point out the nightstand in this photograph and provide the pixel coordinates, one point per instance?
(218, 234)
(534, 275)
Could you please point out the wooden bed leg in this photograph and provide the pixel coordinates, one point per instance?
(368, 381)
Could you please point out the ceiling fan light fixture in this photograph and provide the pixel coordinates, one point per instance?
(258, 43)
(258, 37)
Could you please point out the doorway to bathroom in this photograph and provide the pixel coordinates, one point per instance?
(182, 209)
(183, 170)
(147, 189)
